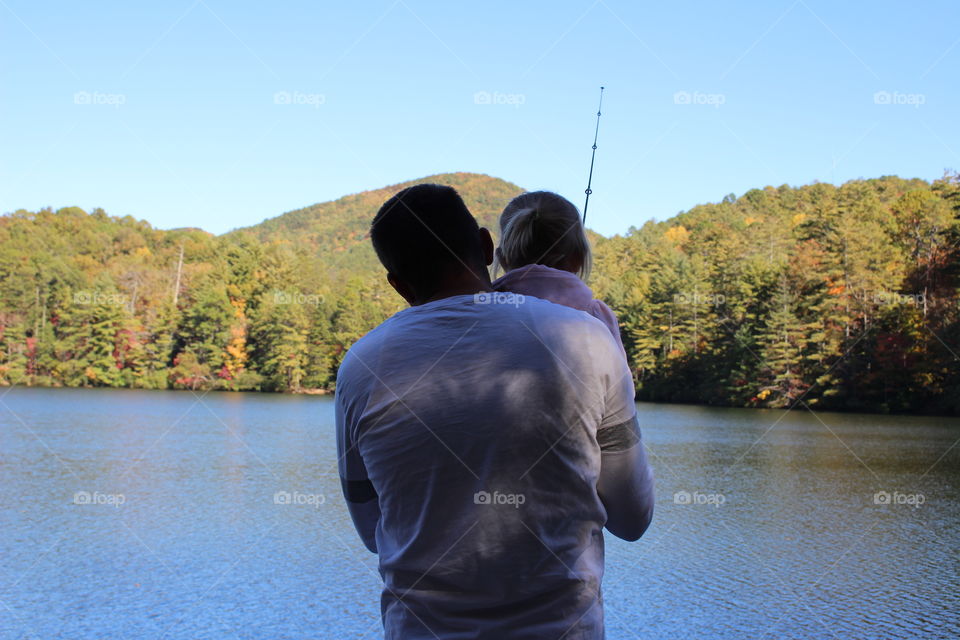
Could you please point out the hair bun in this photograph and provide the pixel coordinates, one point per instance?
(528, 211)
(541, 227)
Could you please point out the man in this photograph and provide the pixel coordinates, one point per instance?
(485, 440)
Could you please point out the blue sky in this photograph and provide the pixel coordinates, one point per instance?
(219, 114)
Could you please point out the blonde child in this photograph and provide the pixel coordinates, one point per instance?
(544, 252)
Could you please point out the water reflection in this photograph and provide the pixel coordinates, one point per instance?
(775, 530)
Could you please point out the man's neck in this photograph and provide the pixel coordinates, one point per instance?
(459, 287)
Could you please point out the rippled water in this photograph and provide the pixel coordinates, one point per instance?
(127, 514)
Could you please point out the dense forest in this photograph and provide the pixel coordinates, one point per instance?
(836, 297)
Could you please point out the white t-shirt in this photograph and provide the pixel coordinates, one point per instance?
(476, 423)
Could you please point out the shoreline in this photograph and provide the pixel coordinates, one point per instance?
(331, 392)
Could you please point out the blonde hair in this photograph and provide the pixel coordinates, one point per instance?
(541, 227)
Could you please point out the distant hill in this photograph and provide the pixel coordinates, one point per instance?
(337, 231)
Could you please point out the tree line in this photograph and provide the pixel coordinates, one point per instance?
(832, 297)
(835, 297)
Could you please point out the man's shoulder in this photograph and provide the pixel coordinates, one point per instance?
(364, 350)
(546, 320)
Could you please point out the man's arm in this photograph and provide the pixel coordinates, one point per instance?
(364, 509)
(626, 481)
(625, 485)
(358, 491)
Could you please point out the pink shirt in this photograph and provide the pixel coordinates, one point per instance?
(559, 287)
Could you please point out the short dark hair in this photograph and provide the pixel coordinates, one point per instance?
(424, 233)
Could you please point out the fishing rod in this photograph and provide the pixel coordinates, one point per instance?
(593, 157)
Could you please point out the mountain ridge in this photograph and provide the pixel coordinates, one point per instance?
(456, 179)
(336, 231)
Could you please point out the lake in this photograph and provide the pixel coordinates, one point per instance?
(163, 514)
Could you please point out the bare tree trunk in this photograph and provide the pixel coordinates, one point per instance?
(36, 320)
(176, 287)
(133, 297)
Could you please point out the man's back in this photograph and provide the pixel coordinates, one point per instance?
(477, 426)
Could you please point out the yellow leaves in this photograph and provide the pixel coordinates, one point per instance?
(87, 264)
(237, 349)
(142, 252)
(237, 352)
(239, 306)
(763, 394)
(749, 220)
(798, 219)
(677, 236)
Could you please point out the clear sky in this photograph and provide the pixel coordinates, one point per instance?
(219, 114)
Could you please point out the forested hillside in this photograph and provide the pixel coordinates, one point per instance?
(93, 300)
(841, 297)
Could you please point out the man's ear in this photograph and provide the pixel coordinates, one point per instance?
(486, 242)
(401, 287)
